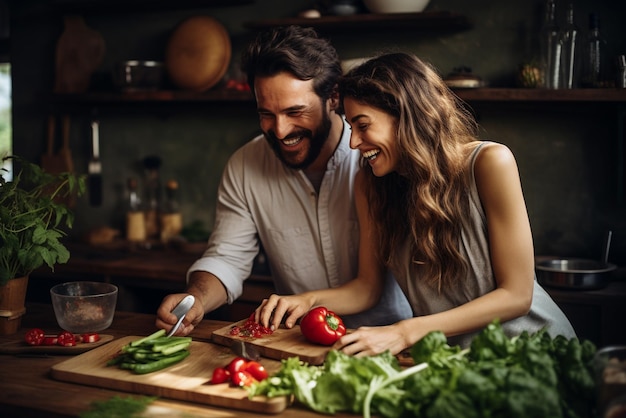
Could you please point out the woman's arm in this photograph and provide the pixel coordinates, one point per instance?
(355, 296)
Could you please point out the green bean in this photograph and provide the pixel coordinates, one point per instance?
(151, 353)
(152, 336)
(166, 345)
(160, 364)
(171, 349)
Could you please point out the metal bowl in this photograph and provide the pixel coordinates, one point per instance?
(574, 273)
(396, 6)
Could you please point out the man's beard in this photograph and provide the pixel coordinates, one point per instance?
(317, 140)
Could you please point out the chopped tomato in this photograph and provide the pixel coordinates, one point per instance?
(236, 365)
(66, 339)
(240, 372)
(220, 375)
(50, 340)
(250, 328)
(91, 337)
(256, 369)
(242, 378)
(34, 336)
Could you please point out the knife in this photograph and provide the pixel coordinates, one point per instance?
(245, 349)
(180, 311)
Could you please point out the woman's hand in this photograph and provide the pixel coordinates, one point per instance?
(369, 341)
(272, 310)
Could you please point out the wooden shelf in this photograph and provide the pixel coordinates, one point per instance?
(541, 95)
(116, 7)
(431, 21)
(160, 96)
(223, 95)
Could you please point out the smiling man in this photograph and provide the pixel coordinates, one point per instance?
(290, 189)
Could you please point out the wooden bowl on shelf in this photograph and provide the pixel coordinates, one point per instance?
(198, 53)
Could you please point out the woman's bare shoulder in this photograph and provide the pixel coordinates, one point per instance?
(494, 155)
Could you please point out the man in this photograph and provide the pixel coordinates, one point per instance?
(290, 189)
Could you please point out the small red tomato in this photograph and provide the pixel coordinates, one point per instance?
(242, 378)
(257, 370)
(66, 339)
(50, 340)
(237, 364)
(34, 336)
(90, 337)
(220, 375)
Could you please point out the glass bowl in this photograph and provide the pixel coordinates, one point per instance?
(81, 307)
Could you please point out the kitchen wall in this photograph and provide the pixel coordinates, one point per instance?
(567, 153)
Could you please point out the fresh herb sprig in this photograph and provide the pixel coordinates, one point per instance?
(119, 407)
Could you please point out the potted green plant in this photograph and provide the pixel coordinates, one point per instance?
(33, 215)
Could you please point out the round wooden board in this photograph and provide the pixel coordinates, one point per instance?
(198, 53)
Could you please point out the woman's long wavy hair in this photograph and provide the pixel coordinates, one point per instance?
(425, 200)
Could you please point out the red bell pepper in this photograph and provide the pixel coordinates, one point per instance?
(322, 326)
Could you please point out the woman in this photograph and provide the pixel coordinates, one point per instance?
(441, 209)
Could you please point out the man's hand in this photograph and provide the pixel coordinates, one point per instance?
(210, 294)
(166, 319)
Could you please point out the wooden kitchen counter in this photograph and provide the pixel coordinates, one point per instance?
(144, 276)
(26, 388)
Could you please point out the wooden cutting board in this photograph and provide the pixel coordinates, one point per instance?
(188, 380)
(282, 343)
(18, 346)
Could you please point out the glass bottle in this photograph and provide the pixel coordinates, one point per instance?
(593, 74)
(171, 218)
(135, 217)
(621, 71)
(550, 47)
(569, 50)
(153, 195)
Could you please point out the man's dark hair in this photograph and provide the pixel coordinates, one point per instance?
(297, 50)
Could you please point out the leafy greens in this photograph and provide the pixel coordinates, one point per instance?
(527, 375)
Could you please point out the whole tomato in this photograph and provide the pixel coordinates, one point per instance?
(322, 326)
(220, 375)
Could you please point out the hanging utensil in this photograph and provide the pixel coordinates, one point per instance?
(58, 162)
(607, 247)
(95, 167)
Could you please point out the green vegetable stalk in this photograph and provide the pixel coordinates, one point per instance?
(152, 353)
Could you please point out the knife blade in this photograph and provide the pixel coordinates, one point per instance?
(245, 349)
